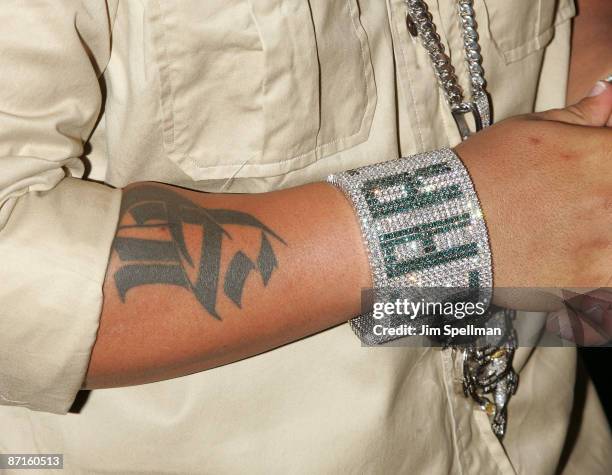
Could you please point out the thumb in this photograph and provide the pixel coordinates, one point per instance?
(594, 110)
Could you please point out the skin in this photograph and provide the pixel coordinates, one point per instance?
(589, 322)
(591, 40)
(163, 331)
(545, 231)
(540, 159)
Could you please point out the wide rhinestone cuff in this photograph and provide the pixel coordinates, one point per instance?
(422, 225)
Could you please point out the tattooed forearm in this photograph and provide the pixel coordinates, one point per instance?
(147, 260)
(183, 260)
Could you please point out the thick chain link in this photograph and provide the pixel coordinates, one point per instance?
(420, 23)
(471, 46)
(419, 14)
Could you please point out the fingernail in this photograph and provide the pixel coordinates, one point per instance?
(595, 313)
(609, 79)
(600, 86)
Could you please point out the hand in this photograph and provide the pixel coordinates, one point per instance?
(545, 183)
(586, 319)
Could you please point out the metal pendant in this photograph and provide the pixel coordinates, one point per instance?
(480, 108)
(488, 375)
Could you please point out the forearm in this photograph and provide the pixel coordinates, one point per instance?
(591, 40)
(190, 287)
(199, 280)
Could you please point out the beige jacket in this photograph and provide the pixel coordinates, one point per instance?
(249, 96)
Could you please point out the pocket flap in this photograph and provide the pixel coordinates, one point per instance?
(520, 27)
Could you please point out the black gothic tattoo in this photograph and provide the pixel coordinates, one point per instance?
(148, 261)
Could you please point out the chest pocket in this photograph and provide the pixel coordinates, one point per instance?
(255, 88)
(520, 27)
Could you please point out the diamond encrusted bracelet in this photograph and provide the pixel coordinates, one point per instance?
(422, 226)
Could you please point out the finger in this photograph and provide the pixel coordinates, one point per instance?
(595, 110)
(593, 333)
(574, 327)
(596, 309)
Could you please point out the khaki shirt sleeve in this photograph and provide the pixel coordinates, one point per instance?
(55, 228)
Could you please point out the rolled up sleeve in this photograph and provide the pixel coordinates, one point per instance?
(56, 229)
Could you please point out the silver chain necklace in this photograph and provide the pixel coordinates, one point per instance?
(420, 23)
(488, 376)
